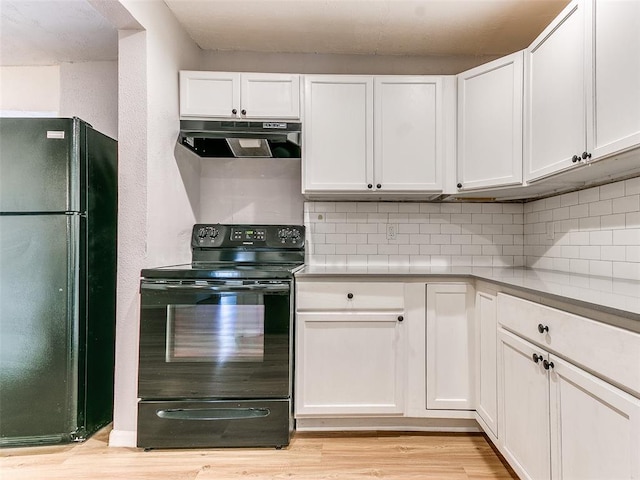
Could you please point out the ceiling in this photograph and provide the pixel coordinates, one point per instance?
(38, 32)
(373, 27)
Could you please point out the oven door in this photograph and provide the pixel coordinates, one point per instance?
(215, 339)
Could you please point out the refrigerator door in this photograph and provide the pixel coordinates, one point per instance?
(38, 328)
(39, 165)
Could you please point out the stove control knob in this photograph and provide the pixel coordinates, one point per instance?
(202, 232)
(295, 235)
(212, 232)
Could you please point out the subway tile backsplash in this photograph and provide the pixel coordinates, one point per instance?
(426, 234)
(594, 231)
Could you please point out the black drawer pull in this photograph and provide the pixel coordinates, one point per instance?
(543, 328)
(349, 296)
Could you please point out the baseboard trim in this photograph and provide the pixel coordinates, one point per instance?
(389, 424)
(122, 438)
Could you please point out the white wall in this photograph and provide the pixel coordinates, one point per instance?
(156, 190)
(89, 90)
(30, 91)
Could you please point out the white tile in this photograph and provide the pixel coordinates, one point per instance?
(503, 239)
(336, 217)
(418, 238)
(599, 267)
(429, 208)
(451, 208)
(569, 199)
(346, 249)
(473, 229)
(439, 218)
(632, 220)
(628, 270)
(481, 239)
(377, 217)
(325, 249)
(614, 253)
(378, 260)
(450, 228)
(366, 207)
(356, 238)
(589, 252)
(325, 228)
(399, 260)
(603, 207)
(513, 208)
(491, 250)
(629, 236)
(399, 217)
(612, 190)
(579, 211)
(538, 206)
(580, 238)
(335, 238)
(409, 208)
(602, 237)
(420, 260)
(316, 259)
(418, 218)
(441, 239)
(309, 206)
(616, 221)
(440, 261)
(409, 228)
(388, 249)
(534, 217)
(428, 228)
(561, 264)
(459, 218)
(356, 217)
(388, 207)
(482, 261)
(481, 218)
(630, 203)
(513, 229)
(460, 239)
(346, 207)
(367, 249)
(461, 260)
(318, 238)
(491, 208)
(366, 228)
(346, 227)
(356, 260)
(502, 218)
(632, 186)
(579, 266)
(378, 238)
(590, 223)
(401, 239)
(589, 195)
(336, 260)
(409, 249)
(426, 249)
(492, 229)
(325, 207)
(450, 249)
(512, 250)
(552, 202)
(560, 214)
(471, 208)
(633, 253)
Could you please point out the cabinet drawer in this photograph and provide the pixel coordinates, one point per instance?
(349, 296)
(609, 351)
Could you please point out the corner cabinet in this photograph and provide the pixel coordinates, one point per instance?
(235, 95)
(561, 416)
(490, 110)
(450, 346)
(379, 135)
(582, 87)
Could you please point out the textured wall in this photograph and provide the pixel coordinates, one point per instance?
(28, 91)
(89, 90)
(430, 234)
(594, 231)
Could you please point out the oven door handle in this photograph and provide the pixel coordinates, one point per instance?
(274, 287)
(212, 413)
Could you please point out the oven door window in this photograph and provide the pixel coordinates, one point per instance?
(230, 331)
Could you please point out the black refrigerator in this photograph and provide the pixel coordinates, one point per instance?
(58, 218)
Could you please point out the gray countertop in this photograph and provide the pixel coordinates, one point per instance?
(608, 295)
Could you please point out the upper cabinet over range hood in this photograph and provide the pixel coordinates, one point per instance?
(241, 139)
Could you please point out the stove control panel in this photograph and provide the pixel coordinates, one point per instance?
(247, 236)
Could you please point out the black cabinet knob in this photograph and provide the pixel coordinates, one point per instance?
(400, 318)
(349, 296)
(585, 155)
(378, 186)
(234, 111)
(459, 185)
(537, 358)
(547, 365)
(575, 158)
(542, 328)
(243, 112)
(370, 186)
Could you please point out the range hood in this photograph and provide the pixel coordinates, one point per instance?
(241, 139)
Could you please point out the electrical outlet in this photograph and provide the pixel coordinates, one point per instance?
(391, 232)
(550, 231)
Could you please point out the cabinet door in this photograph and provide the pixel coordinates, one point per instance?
(486, 360)
(523, 403)
(450, 343)
(595, 428)
(490, 100)
(614, 74)
(209, 94)
(338, 133)
(555, 128)
(408, 130)
(271, 96)
(348, 364)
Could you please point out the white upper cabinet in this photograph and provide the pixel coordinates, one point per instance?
(490, 106)
(338, 133)
(555, 124)
(408, 133)
(582, 84)
(373, 134)
(614, 40)
(239, 95)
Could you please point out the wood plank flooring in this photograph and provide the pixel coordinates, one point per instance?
(357, 456)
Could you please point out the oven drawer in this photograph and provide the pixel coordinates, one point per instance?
(349, 296)
(196, 424)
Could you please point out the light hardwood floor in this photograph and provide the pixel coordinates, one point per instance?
(397, 456)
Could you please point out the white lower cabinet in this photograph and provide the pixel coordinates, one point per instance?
(556, 419)
(349, 363)
(486, 362)
(450, 343)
